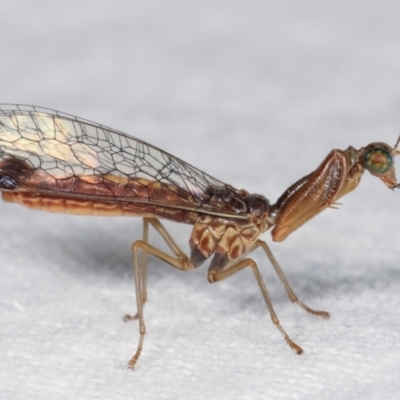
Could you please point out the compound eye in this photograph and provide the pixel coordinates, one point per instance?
(378, 160)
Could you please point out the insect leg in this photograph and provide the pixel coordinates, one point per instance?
(143, 262)
(179, 261)
(143, 265)
(215, 275)
(285, 282)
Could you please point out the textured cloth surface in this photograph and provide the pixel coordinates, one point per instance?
(255, 93)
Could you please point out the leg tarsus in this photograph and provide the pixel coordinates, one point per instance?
(129, 317)
(133, 360)
(295, 347)
(319, 313)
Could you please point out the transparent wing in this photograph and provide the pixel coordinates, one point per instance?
(58, 153)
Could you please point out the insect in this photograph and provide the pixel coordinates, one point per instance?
(56, 162)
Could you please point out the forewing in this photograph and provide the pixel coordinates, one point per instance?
(52, 152)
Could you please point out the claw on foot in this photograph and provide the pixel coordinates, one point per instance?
(128, 317)
(294, 346)
(323, 314)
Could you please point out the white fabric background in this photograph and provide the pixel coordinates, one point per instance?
(255, 93)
